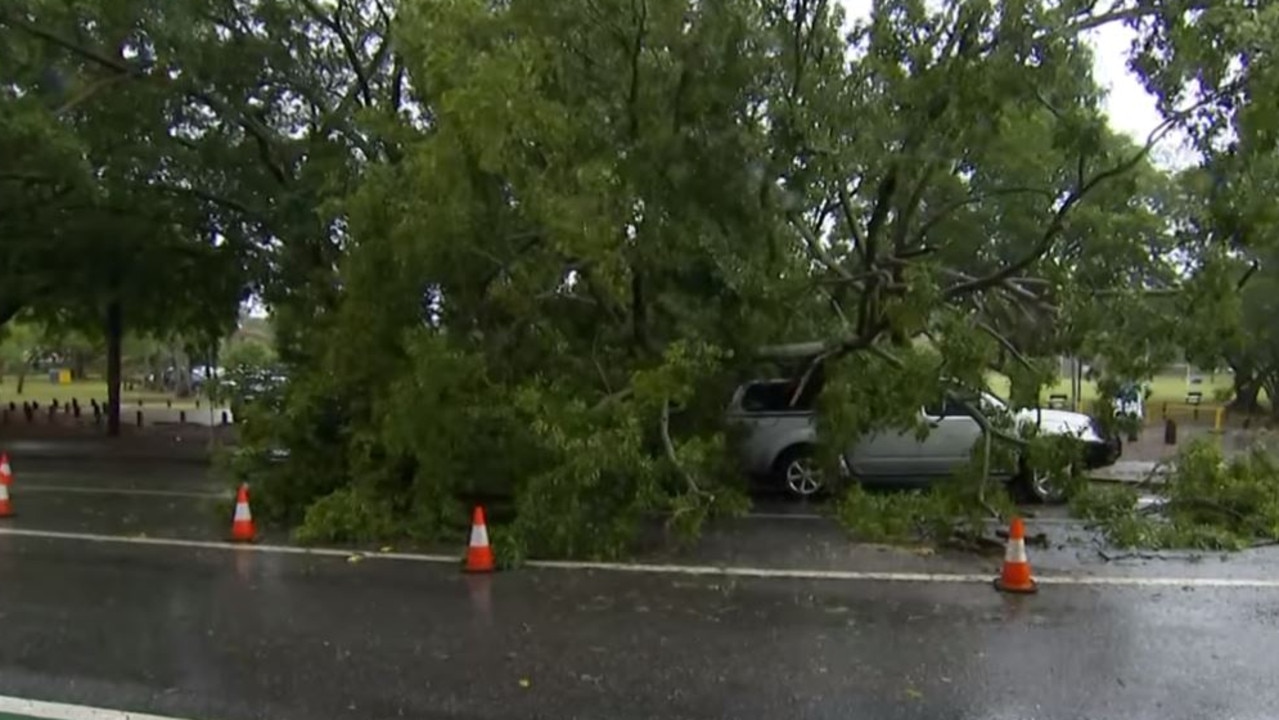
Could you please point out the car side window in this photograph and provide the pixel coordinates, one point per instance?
(946, 407)
(769, 397)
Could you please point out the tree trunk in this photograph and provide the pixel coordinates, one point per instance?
(22, 377)
(1248, 383)
(80, 359)
(8, 308)
(115, 344)
(1246, 392)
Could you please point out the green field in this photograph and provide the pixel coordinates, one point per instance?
(38, 388)
(1171, 389)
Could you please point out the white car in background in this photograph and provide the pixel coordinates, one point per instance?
(1131, 401)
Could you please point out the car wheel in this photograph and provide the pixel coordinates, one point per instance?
(799, 473)
(1041, 487)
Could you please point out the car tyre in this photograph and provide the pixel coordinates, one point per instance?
(797, 471)
(1036, 486)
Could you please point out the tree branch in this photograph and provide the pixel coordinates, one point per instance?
(850, 221)
(214, 198)
(984, 422)
(851, 341)
(639, 13)
(335, 25)
(883, 199)
(935, 218)
(1055, 226)
(670, 448)
(1082, 188)
(1003, 341)
(818, 251)
(88, 92)
(94, 56)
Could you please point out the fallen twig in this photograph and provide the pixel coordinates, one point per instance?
(1128, 556)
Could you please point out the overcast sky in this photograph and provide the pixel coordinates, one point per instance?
(1131, 109)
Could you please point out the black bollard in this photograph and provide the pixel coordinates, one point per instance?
(225, 419)
(1170, 432)
(139, 418)
(182, 416)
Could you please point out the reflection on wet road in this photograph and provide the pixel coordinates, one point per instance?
(223, 634)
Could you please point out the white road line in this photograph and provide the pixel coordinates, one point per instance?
(663, 569)
(88, 490)
(64, 711)
(217, 545)
(803, 574)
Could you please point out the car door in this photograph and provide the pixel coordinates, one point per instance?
(903, 457)
(887, 456)
(953, 432)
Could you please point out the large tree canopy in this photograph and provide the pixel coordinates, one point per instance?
(531, 246)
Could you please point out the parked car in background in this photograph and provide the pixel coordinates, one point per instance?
(778, 441)
(243, 385)
(1130, 401)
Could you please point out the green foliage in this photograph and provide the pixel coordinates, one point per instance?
(248, 353)
(527, 249)
(893, 518)
(348, 514)
(19, 346)
(1207, 503)
(951, 512)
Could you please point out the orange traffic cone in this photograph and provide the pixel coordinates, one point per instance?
(479, 556)
(242, 523)
(1015, 577)
(6, 479)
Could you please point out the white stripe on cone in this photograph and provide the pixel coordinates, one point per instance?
(1015, 552)
(5, 470)
(479, 536)
(241, 512)
(4, 492)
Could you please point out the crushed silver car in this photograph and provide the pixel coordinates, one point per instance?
(778, 441)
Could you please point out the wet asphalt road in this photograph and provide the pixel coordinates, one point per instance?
(238, 635)
(197, 633)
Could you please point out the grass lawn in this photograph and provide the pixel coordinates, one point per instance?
(1171, 389)
(39, 389)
